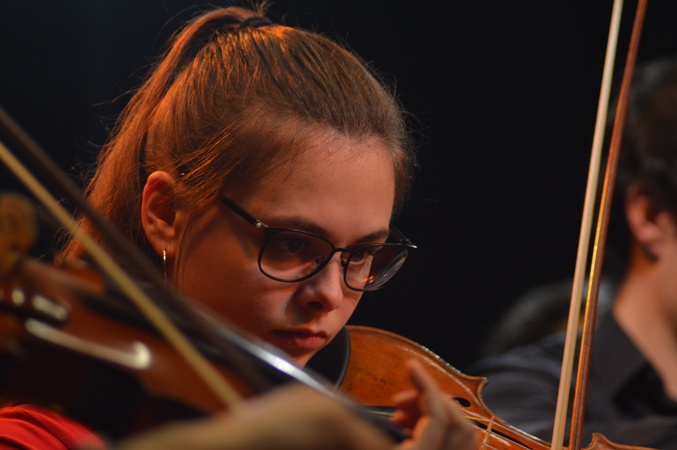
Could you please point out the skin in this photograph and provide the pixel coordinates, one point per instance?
(342, 189)
(646, 304)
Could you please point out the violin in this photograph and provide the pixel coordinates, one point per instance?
(69, 346)
(376, 371)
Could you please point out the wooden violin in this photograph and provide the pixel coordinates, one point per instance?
(376, 371)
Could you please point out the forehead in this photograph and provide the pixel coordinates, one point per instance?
(334, 180)
(304, 149)
(330, 151)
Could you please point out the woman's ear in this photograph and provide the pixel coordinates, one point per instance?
(650, 228)
(158, 212)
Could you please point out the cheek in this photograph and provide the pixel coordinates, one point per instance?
(236, 291)
(218, 273)
(341, 316)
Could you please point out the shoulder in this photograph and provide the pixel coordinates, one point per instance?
(32, 427)
(542, 357)
(522, 384)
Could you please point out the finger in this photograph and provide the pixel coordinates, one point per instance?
(406, 399)
(421, 379)
(408, 410)
(441, 424)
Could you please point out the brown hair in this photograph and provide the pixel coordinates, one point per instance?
(648, 155)
(227, 105)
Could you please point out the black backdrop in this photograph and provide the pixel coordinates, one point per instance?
(505, 94)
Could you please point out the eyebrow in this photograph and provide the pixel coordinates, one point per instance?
(303, 225)
(300, 223)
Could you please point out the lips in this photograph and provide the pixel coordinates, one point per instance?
(298, 341)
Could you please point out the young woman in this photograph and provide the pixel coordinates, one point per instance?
(260, 166)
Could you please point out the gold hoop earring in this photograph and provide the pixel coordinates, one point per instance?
(164, 262)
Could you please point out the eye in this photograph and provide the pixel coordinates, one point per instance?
(296, 246)
(290, 244)
(363, 256)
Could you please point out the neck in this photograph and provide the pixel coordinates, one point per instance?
(642, 311)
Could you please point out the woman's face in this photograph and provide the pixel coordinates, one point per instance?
(341, 189)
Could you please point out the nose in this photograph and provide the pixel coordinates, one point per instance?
(325, 290)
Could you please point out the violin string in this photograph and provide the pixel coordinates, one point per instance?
(488, 432)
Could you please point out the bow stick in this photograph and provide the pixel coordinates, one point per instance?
(599, 246)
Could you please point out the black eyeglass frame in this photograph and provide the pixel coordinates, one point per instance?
(269, 232)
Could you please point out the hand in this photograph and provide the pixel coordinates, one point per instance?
(292, 417)
(435, 422)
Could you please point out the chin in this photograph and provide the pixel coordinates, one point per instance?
(301, 360)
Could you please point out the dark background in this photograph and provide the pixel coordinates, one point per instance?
(505, 95)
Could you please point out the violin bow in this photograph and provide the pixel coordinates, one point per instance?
(597, 257)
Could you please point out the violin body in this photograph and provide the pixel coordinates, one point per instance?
(68, 354)
(377, 370)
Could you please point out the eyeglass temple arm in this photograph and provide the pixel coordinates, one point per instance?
(237, 209)
(397, 234)
(400, 237)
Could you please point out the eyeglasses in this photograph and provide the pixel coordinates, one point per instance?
(293, 255)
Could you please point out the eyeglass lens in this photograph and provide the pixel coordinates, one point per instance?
(294, 255)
